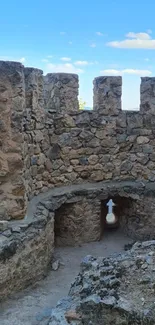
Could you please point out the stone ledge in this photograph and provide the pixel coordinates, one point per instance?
(55, 197)
(38, 208)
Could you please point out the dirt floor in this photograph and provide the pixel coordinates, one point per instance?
(33, 305)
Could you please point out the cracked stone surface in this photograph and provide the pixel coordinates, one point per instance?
(112, 290)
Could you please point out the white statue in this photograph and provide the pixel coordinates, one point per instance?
(110, 217)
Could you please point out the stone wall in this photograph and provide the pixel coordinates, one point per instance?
(78, 222)
(27, 246)
(47, 142)
(12, 103)
(34, 130)
(80, 210)
(61, 92)
(26, 251)
(104, 144)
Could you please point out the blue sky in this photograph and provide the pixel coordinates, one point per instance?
(90, 38)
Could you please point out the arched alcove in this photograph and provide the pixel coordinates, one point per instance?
(77, 222)
(123, 210)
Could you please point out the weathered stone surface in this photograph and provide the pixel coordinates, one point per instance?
(147, 92)
(61, 91)
(93, 159)
(107, 95)
(48, 135)
(54, 152)
(77, 223)
(141, 140)
(47, 143)
(78, 209)
(115, 290)
(12, 102)
(23, 245)
(34, 124)
(3, 225)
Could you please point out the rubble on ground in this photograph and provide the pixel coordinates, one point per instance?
(116, 290)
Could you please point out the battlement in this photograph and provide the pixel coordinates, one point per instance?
(61, 93)
(46, 141)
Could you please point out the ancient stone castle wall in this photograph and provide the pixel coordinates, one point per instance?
(12, 103)
(34, 130)
(47, 142)
(104, 144)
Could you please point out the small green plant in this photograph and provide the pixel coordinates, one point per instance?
(82, 104)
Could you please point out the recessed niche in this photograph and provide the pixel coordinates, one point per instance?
(116, 212)
(88, 220)
(77, 223)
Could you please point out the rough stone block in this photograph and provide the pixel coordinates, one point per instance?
(4, 225)
(107, 95)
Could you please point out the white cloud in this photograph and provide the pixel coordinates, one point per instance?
(84, 63)
(141, 36)
(81, 63)
(113, 72)
(65, 59)
(22, 60)
(92, 45)
(70, 42)
(49, 56)
(66, 67)
(135, 41)
(147, 59)
(137, 72)
(99, 33)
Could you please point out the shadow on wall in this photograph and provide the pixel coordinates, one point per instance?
(65, 227)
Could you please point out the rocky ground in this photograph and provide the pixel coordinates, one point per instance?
(33, 306)
(116, 290)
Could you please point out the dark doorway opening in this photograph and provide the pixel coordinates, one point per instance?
(64, 225)
(82, 222)
(115, 213)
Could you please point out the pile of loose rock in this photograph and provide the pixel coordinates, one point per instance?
(117, 290)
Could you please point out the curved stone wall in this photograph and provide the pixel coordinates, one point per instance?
(134, 205)
(27, 246)
(26, 250)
